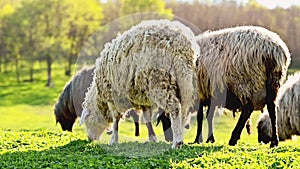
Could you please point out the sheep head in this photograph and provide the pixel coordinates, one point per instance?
(264, 129)
(95, 124)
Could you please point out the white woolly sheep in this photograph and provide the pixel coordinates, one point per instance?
(288, 112)
(244, 66)
(69, 104)
(150, 65)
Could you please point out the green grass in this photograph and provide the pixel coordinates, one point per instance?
(29, 138)
(54, 149)
(34, 93)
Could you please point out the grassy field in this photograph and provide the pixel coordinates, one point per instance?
(29, 138)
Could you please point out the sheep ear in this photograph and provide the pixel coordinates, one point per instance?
(84, 113)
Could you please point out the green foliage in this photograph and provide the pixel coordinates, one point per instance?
(132, 7)
(51, 29)
(137, 11)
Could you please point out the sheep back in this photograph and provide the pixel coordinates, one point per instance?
(157, 51)
(80, 83)
(237, 59)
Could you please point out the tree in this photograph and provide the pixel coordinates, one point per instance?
(12, 41)
(133, 6)
(111, 10)
(52, 29)
(143, 10)
(84, 19)
(5, 11)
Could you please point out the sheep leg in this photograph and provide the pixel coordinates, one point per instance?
(135, 117)
(173, 106)
(115, 137)
(248, 123)
(209, 117)
(147, 113)
(164, 95)
(199, 138)
(166, 124)
(236, 133)
(271, 109)
(248, 126)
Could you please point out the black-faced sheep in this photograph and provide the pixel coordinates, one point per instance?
(288, 112)
(69, 104)
(150, 65)
(68, 107)
(240, 68)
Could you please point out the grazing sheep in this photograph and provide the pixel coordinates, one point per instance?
(151, 65)
(69, 104)
(288, 112)
(240, 68)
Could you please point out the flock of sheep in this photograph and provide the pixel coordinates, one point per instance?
(161, 64)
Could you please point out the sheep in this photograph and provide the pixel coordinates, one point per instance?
(288, 112)
(149, 66)
(240, 68)
(68, 107)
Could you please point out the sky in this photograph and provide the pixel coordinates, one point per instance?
(267, 3)
(278, 3)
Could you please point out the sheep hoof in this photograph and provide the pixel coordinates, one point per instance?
(274, 144)
(168, 139)
(177, 145)
(152, 139)
(232, 142)
(112, 142)
(198, 140)
(211, 139)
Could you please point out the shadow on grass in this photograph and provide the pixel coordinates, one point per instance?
(82, 153)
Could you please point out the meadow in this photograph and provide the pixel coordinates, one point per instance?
(30, 138)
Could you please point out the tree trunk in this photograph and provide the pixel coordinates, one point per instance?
(6, 62)
(72, 35)
(1, 65)
(17, 70)
(49, 64)
(31, 72)
(68, 72)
